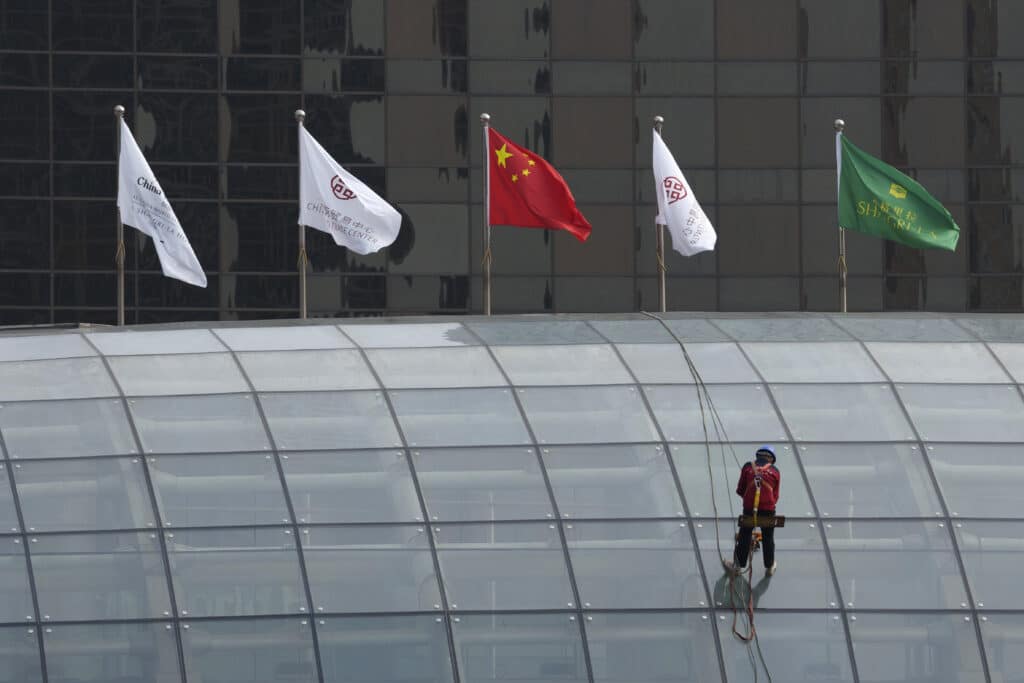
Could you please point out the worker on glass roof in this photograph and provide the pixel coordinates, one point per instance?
(759, 486)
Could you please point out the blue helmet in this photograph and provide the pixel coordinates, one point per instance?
(766, 450)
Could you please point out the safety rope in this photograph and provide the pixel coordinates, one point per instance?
(119, 253)
(487, 260)
(303, 258)
(662, 268)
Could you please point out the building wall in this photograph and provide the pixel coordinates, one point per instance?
(394, 89)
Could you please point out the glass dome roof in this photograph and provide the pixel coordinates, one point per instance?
(515, 498)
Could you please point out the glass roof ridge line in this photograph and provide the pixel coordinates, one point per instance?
(155, 509)
(303, 574)
(677, 482)
(567, 557)
(945, 511)
(431, 543)
(1002, 366)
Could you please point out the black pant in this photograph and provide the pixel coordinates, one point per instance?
(767, 541)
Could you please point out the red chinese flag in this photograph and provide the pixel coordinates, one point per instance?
(527, 192)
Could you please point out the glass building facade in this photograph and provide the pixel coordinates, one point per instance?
(509, 499)
(394, 89)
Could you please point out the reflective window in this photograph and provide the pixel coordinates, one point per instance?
(599, 414)
(503, 566)
(482, 484)
(1002, 635)
(417, 29)
(965, 412)
(813, 362)
(623, 565)
(385, 649)
(351, 486)
(631, 646)
(249, 650)
(104, 25)
(235, 572)
(469, 366)
(519, 647)
(804, 579)
(922, 362)
(979, 480)
(100, 576)
(870, 480)
(335, 419)
(459, 417)
(990, 551)
(199, 424)
(837, 412)
(370, 569)
(215, 490)
(933, 647)
(781, 329)
(892, 565)
(83, 494)
(206, 373)
(307, 370)
(796, 647)
(744, 411)
(50, 379)
(15, 595)
(1012, 357)
(132, 342)
(355, 28)
(66, 428)
(612, 481)
(100, 653)
(666, 363)
(576, 364)
(21, 655)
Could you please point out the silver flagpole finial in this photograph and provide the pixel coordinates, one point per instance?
(300, 116)
(658, 122)
(118, 111)
(485, 118)
(839, 125)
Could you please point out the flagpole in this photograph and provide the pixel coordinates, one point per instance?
(659, 231)
(300, 117)
(839, 125)
(485, 121)
(119, 253)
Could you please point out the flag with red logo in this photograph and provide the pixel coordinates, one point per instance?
(334, 201)
(678, 209)
(527, 192)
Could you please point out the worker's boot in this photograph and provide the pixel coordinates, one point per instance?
(770, 571)
(732, 568)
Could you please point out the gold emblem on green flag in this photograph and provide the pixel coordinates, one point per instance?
(897, 191)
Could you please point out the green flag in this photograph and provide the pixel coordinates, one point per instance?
(877, 199)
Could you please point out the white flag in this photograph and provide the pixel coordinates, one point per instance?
(336, 202)
(691, 230)
(142, 204)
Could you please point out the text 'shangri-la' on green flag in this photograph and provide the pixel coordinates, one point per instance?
(877, 199)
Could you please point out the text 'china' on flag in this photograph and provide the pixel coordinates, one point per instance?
(527, 192)
(334, 201)
(143, 205)
(678, 209)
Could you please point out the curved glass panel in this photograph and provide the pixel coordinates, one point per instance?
(726, 460)
(813, 362)
(555, 365)
(60, 429)
(519, 647)
(414, 335)
(482, 484)
(895, 565)
(469, 366)
(100, 576)
(979, 480)
(19, 648)
(8, 515)
(370, 569)
(991, 552)
(55, 379)
(870, 480)
(1012, 357)
(803, 581)
(101, 653)
(15, 595)
(635, 565)
(199, 424)
(1003, 637)
(330, 419)
(666, 363)
(235, 572)
(996, 328)
(320, 370)
(134, 342)
(965, 412)
(203, 373)
(744, 410)
(694, 329)
(459, 417)
(842, 412)
(351, 486)
(603, 481)
(515, 333)
(646, 647)
(385, 649)
(44, 347)
(249, 650)
(887, 328)
(777, 328)
(632, 331)
(83, 494)
(600, 414)
(939, 363)
(217, 490)
(503, 566)
(916, 647)
(292, 338)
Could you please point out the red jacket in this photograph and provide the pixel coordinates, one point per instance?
(771, 480)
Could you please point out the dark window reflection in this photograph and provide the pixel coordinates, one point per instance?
(85, 235)
(264, 291)
(325, 256)
(365, 292)
(83, 125)
(520, 77)
(259, 26)
(25, 133)
(24, 289)
(85, 180)
(259, 237)
(24, 69)
(24, 233)
(165, 292)
(837, 28)
(23, 25)
(260, 128)
(904, 293)
(191, 182)
(92, 316)
(996, 293)
(440, 136)
(263, 182)
(92, 71)
(995, 130)
(255, 73)
(190, 73)
(656, 29)
(348, 27)
(751, 29)
(428, 28)
(925, 30)
(175, 26)
(428, 294)
(923, 78)
(351, 128)
(337, 76)
(177, 127)
(14, 316)
(990, 185)
(25, 180)
(199, 221)
(159, 315)
(90, 289)
(597, 29)
(911, 125)
(997, 239)
(95, 25)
